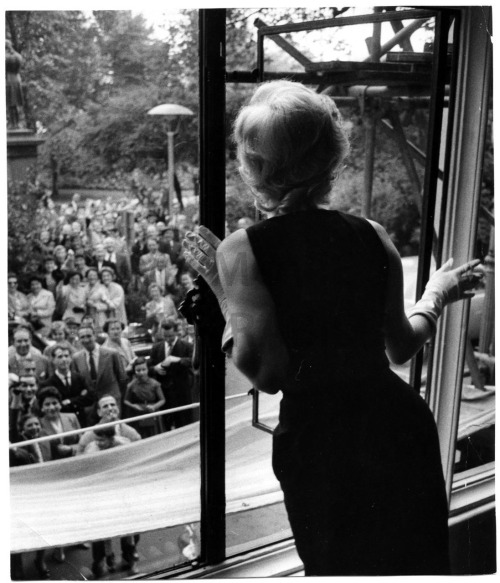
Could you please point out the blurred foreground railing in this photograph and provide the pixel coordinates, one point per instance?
(117, 422)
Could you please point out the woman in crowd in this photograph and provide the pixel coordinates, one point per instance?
(42, 305)
(31, 428)
(74, 296)
(98, 301)
(116, 296)
(319, 302)
(159, 308)
(114, 329)
(96, 233)
(144, 395)
(62, 258)
(54, 422)
(18, 304)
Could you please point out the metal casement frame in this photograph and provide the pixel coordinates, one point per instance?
(465, 169)
(212, 47)
(461, 219)
(443, 19)
(376, 17)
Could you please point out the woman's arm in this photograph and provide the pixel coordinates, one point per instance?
(405, 336)
(259, 351)
(47, 305)
(160, 399)
(116, 295)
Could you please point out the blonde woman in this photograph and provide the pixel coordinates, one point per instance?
(315, 297)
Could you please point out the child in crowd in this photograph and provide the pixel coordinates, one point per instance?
(144, 395)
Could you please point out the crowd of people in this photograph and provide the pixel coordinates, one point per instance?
(71, 361)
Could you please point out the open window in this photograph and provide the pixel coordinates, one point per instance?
(413, 86)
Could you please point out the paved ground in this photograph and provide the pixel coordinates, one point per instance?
(160, 549)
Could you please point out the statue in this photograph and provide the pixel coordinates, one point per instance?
(13, 87)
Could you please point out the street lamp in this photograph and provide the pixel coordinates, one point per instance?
(173, 114)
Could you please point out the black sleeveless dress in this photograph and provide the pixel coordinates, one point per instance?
(356, 449)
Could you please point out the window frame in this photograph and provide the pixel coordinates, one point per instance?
(468, 140)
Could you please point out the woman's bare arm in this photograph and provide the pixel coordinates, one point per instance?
(403, 336)
(258, 351)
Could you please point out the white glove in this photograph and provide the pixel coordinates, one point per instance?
(199, 251)
(446, 286)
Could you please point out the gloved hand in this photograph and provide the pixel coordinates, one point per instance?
(200, 251)
(457, 284)
(446, 286)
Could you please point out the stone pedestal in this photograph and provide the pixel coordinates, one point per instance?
(22, 152)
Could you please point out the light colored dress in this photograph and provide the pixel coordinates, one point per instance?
(74, 298)
(97, 306)
(19, 305)
(117, 299)
(43, 305)
(161, 309)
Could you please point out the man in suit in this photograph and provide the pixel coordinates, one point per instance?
(120, 261)
(171, 364)
(101, 368)
(99, 260)
(162, 275)
(22, 351)
(148, 260)
(171, 247)
(76, 394)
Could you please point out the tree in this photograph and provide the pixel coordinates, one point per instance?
(63, 66)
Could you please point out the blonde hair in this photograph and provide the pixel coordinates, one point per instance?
(291, 146)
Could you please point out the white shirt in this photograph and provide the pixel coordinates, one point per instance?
(66, 379)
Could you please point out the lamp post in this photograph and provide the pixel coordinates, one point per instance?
(173, 114)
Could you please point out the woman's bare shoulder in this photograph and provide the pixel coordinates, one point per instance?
(236, 249)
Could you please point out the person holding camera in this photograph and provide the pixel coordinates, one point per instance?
(22, 401)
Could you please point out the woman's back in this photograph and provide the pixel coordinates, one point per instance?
(327, 273)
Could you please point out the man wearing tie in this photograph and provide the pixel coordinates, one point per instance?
(171, 364)
(99, 260)
(147, 261)
(101, 368)
(76, 394)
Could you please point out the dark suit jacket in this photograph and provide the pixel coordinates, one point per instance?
(172, 249)
(179, 378)
(111, 376)
(74, 393)
(69, 422)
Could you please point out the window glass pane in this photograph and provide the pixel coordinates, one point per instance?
(100, 194)
(476, 430)
(385, 106)
(255, 513)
